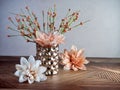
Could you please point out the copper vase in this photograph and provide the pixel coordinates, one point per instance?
(49, 57)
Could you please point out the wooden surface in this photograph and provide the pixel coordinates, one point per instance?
(102, 74)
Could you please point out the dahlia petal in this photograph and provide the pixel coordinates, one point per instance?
(65, 60)
(74, 48)
(80, 52)
(74, 68)
(67, 66)
(22, 78)
(66, 54)
(83, 67)
(86, 61)
(49, 39)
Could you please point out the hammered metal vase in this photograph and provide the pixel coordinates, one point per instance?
(49, 57)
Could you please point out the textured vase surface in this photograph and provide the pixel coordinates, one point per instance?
(49, 57)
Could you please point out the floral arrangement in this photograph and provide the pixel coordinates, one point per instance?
(30, 70)
(27, 25)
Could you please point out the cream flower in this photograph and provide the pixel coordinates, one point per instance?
(30, 70)
(74, 59)
(49, 39)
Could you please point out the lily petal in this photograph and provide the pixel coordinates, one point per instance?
(42, 77)
(17, 73)
(42, 69)
(30, 81)
(20, 67)
(37, 78)
(22, 78)
(24, 62)
(37, 63)
(31, 60)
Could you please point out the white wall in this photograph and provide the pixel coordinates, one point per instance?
(100, 37)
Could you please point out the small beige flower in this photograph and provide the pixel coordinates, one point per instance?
(30, 70)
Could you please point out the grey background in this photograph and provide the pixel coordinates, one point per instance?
(100, 37)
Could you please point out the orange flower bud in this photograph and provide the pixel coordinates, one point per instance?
(54, 14)
(73, 14)
(23, 19)
(8, 36)
(9, 18)
(63, 19)
(8, 27)
(65, 30)
(28, 40)
(81, 23)
(27, 7)
(28, 18)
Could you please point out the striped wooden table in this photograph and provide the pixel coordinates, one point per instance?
(101, 74)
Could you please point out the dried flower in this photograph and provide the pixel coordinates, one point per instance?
(30, 70)
(26, 24)
(74, 59)
(27, 7)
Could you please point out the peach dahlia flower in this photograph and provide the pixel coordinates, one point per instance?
(74, 59)
(49, 39)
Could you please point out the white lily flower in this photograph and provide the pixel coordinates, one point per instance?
(30, 70)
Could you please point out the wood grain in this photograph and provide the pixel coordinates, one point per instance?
(100, 75)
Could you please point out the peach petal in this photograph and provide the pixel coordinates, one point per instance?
(67, 66)
(73, 48)
(74, 68)
(86, 62)
(83, 67)
(80, 52)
